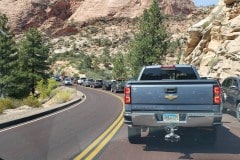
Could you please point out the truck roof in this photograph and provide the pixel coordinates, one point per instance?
(169, 72)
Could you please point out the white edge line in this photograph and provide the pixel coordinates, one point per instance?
(43, 117)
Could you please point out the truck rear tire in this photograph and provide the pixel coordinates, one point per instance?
(134, 135)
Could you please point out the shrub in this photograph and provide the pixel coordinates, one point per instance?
(9, 103)
(16, 103)
(93, 29)
(205, 24)
(6, 103)
(213, 61)
(62, 97)
(106, 42)
(31, 101)
(45, 89)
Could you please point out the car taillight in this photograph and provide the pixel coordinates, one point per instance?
(217, 95)
(127, 95)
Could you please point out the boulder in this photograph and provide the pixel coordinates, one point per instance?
(229, 2)
(220, 42)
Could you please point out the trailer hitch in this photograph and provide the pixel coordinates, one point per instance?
(171, 136)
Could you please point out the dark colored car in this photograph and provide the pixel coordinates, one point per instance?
(96, 83)
(118, 85)
(107, 85)
(74, 80)
(231, 95)
(87, 82)
(57, 78)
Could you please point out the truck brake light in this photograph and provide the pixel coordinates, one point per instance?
(217, 95)
(127, 95)
(168, 66)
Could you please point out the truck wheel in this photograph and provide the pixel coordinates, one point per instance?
(238, 112)
(224, 110)
(134, 135)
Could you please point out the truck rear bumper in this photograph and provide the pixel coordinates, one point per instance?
(184, 120)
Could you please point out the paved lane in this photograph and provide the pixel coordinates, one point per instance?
(226, 148)
(64, 135)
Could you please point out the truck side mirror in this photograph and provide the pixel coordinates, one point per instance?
(234, 87)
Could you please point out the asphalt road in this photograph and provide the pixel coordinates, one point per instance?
(227, 146)
(63, 135)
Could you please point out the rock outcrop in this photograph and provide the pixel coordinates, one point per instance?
(63, 17)
(35, 13)
(214, 42)
(127, 8)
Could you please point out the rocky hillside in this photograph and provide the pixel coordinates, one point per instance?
(66, 17)
(214, 42)
(92, 26)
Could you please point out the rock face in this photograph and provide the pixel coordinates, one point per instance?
(61, 16)
(214, 42)
(127, 8)
(35, 13)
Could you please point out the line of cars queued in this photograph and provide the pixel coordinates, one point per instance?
(112, 85)
(230, 90)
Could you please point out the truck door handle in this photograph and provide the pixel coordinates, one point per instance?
(170, 90)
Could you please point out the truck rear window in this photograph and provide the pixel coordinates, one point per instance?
(183, 73)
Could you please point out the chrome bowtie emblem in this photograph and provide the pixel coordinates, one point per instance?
(171, 97)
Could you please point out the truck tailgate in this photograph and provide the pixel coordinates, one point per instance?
(199, 92)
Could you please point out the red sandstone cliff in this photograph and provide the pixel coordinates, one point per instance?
(58, 16)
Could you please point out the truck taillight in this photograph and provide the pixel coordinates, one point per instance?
(127, 95)
(217, 95)
(168, 66)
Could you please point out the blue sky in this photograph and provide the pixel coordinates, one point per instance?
(205, 2)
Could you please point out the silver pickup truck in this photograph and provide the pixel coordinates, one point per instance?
(172, 98)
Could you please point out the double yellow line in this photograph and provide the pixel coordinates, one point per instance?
(98, 144)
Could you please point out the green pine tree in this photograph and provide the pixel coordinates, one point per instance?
(33, 56)
(150, 44)
(8, 58)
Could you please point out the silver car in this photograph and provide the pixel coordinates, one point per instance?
(68, 81)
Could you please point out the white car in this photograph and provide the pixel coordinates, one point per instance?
(68, 81)
(81, 80)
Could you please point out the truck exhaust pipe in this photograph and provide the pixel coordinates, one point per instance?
(171, 136)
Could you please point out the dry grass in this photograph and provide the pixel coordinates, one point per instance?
(61, 95)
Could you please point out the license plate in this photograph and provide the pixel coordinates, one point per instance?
(171, 117)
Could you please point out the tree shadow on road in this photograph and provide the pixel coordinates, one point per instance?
(226, 143)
